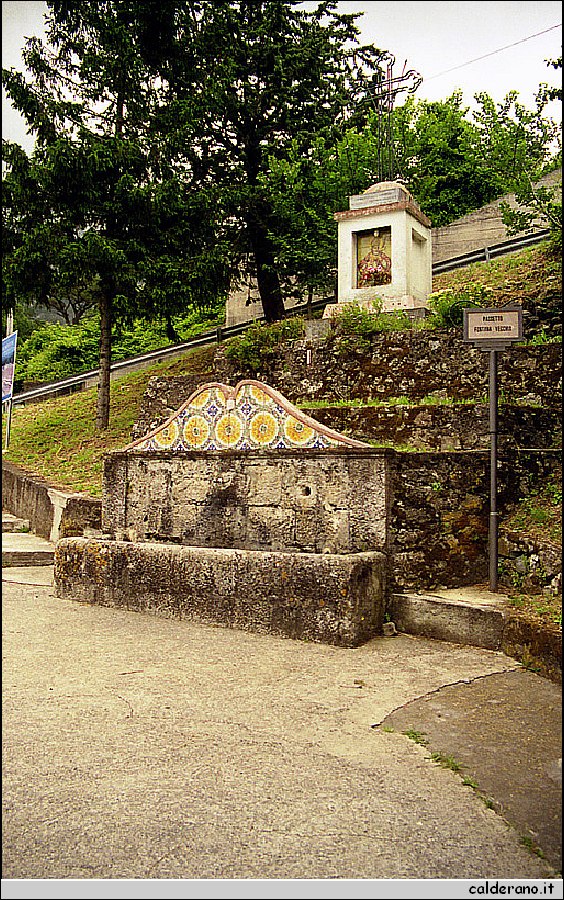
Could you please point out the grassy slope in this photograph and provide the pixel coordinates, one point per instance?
(58, 440)
(533, 276)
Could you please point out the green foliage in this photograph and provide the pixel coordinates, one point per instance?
(102, 213)
(55, 351)
(544, 337)
(354, 325)
(455, 161)
(540, 512)
(539, 206)
(439, 155)
(449, 304)
(251, 349)
(446, 762)
(281, 77)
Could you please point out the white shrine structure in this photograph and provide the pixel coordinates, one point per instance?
(384, 251)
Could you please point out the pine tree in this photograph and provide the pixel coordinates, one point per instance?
(103, 205)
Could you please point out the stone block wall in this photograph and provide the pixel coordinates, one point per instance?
(427, 511)
(319, 597)
(309, 501)
(530, 566)
(51, 513)
(414, 364)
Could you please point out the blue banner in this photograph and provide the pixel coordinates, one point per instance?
(8, 365)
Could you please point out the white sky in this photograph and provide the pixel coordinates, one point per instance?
(444, 42)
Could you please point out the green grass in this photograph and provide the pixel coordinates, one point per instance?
(57, 438)
(417, 736)
(540, 514)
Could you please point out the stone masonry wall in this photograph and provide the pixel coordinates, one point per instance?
(448, 427)
(440, 513)
(317, 501)
(318, 597)
(428, 511)
(413, 364)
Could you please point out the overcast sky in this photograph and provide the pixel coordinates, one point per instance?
(487, 46)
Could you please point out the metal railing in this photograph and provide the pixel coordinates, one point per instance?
(486, 253)
(86, 379)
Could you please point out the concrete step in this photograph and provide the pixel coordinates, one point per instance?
(26, 549)
(36, 576)
(471, 615)
(14, 523)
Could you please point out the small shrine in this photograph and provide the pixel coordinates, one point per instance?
(384, 250)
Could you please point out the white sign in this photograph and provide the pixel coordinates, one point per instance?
(493, 326)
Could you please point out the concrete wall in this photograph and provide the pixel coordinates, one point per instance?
(51, 513)
(479, 229)
(318, 597)
(317, 501)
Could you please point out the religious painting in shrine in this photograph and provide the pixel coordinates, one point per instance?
(374, 257)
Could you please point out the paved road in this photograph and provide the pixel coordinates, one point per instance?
(138, 747)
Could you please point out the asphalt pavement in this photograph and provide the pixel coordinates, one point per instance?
(138, 747)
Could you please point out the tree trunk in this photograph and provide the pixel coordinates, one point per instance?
(171, 331)
(103, 407)
(268, 281)
(309, 312)
(105, 305)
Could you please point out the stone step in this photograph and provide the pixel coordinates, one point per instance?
(26, 549)
(465, 616)
(14, 523)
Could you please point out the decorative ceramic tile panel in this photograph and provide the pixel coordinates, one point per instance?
(251, 416)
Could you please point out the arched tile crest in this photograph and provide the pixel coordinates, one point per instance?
(250, 416)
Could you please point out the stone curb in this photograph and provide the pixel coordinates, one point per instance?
(487, 623)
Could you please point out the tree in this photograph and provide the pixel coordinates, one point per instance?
(306, 190)
(539, 204)
(455, 161)
(439, 156)
(248, 83)
(103, 205)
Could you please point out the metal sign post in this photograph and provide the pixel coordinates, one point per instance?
(492, 330)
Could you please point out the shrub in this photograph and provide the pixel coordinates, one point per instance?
(57, 351)
(355, 325)
(449, 304)
(250, 349)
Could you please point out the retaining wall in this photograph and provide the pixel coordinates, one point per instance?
(445, 427)
(439, 517)
(51, 513)
(413, 364)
